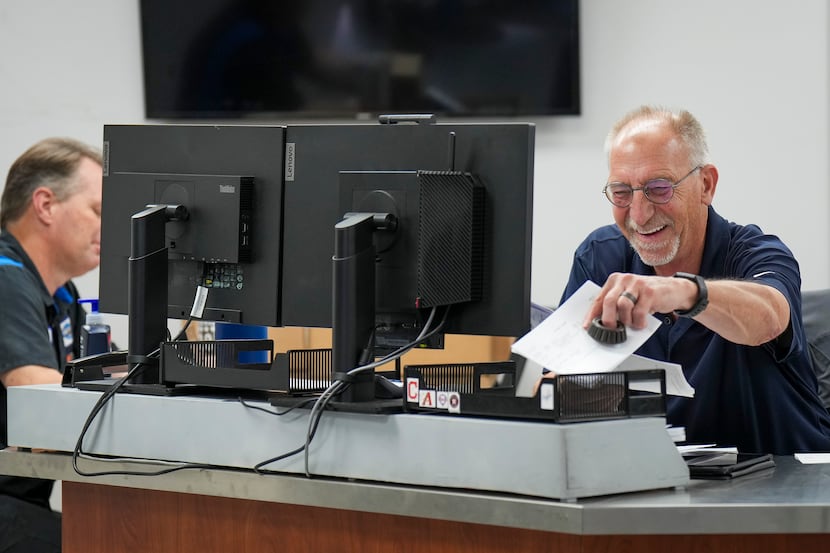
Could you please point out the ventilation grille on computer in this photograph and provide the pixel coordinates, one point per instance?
(450, 240)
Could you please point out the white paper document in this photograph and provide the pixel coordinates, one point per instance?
(813, 458)
(676, 383)
(561, 345)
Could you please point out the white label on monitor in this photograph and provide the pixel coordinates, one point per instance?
(290, 148)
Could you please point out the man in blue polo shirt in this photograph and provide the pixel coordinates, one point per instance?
(50, 229)
(728, 295)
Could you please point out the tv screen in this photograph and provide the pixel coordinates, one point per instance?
(359, 58)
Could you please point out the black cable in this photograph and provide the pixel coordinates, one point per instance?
(78, 452)
(183, 332)
(339, 386)
(299, 405)
(316, 416)
(319, 406)
(102, 400)
(313, 429)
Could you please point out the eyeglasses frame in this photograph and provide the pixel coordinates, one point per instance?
(644, 188)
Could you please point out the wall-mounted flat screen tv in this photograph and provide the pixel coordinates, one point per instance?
(359, 58)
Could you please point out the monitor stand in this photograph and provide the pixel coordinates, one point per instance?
(147, 308)
(89, 374)
(105, 384)
(353, 315)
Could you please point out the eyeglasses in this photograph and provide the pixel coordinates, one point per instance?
(658, 191)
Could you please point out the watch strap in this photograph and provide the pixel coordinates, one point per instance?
(702, 296)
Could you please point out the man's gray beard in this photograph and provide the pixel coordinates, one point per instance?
(654, 260)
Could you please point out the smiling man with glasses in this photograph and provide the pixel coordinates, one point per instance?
(728, 295)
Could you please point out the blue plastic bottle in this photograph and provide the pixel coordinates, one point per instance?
(95, 334)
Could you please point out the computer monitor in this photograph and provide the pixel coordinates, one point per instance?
(440, 183)
(458, 195)
(227, 184)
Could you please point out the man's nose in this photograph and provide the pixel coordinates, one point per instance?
(641, 209)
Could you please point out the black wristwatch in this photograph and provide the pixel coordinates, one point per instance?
(702, 296)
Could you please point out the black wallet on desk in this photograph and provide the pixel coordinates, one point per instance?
(722, 466)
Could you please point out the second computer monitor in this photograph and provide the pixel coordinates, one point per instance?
(376, 162)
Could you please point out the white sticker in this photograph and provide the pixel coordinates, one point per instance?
(66, 330)
(546, 396)
(427, 399)
(412, 387)
(454, 402)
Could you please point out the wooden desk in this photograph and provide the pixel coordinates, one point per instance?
(785, 510)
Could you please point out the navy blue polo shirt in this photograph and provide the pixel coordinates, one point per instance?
(760, 399)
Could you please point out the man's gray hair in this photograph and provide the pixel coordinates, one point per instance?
(52, 163)
(685, 126)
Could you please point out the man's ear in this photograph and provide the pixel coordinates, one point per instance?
(710, 183)
(43, 204)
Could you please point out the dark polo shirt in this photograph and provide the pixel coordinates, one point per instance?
(760, 399)
(35, 329)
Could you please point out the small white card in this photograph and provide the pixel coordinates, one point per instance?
(813, 458)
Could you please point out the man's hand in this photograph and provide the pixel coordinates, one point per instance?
(630, 299)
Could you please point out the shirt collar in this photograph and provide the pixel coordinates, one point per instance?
(714, 249)
(10, 243)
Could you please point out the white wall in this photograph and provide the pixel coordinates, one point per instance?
(66, 69)
(755, 72)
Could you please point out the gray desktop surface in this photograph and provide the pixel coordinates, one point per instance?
(790, 499)
(563, 461)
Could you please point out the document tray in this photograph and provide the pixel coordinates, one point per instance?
(221, 363)
(488, 389)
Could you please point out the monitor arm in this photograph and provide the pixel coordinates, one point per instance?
(353, 313)
(147, 302)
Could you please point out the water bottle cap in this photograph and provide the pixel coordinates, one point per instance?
(93, 304)
(93, 317)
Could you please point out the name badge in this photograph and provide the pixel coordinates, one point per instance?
(66, 331)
